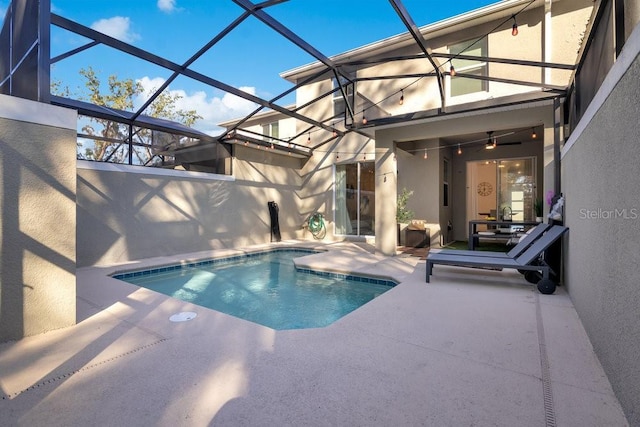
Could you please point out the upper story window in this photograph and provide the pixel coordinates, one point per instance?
(339, 106)
(271, 130)
(462, 85)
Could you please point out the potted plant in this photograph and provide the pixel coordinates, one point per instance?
(403, 215)
(538, 206)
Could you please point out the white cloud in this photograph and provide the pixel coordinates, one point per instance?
(212, 109)
(118, 27)
(167, 6)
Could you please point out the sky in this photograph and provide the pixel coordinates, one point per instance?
(251, 57)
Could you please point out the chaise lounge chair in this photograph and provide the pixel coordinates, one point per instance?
(531, 260)
(526, 241)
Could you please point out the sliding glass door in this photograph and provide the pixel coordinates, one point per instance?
(354, 213)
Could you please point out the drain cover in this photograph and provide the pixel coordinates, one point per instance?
(183, 316)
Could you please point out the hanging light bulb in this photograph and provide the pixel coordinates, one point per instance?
(246, 143)
(426, 156)
(272, 147)
(459, 149)
(309, 138)
(364, 157)
(337, 156)
(401, 97)
(452, 71)
(335, 132)
(495, 142)
(533, 133)
(364, 119)
(514, 29)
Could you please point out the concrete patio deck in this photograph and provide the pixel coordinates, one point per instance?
(473, 347)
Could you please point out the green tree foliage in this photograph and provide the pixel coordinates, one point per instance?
(109, 139)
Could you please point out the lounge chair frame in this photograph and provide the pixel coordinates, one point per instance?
(531, 259)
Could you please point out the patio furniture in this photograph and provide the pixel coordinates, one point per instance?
(531, 236)
(474, 235)
(531, 260)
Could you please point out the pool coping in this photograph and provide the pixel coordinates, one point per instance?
(311, 264)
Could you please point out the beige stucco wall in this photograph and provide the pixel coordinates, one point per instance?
(125, 216)
(601, 184)
(37, 205)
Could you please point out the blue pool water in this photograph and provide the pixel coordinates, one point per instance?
(264, 288)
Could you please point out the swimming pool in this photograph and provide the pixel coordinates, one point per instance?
(264, 288)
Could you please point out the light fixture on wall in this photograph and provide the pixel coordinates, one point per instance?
(452, 71)
(514, 28)
(491, 142)
(401, 97)
(459, 149)
(534, 135)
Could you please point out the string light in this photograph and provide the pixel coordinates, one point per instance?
(401, 97)
(459, 149)
(514, 29)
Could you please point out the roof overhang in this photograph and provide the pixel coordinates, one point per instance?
(527, 100)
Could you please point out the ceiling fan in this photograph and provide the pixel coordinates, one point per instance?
(492, 141)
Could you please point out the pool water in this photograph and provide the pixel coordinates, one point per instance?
(264, 288)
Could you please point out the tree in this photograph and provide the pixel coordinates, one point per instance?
(109, 139)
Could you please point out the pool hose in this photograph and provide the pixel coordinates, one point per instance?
(316, 225)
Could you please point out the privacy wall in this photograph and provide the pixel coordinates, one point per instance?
(602, 187)
(127, 212)
(37, 212)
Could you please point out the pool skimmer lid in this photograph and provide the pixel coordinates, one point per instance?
(183, 316)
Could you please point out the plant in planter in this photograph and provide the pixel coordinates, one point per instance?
(403, 215)
(538, 206)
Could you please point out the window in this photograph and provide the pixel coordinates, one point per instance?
(339, 106)
(271, 130)
(462, 85)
